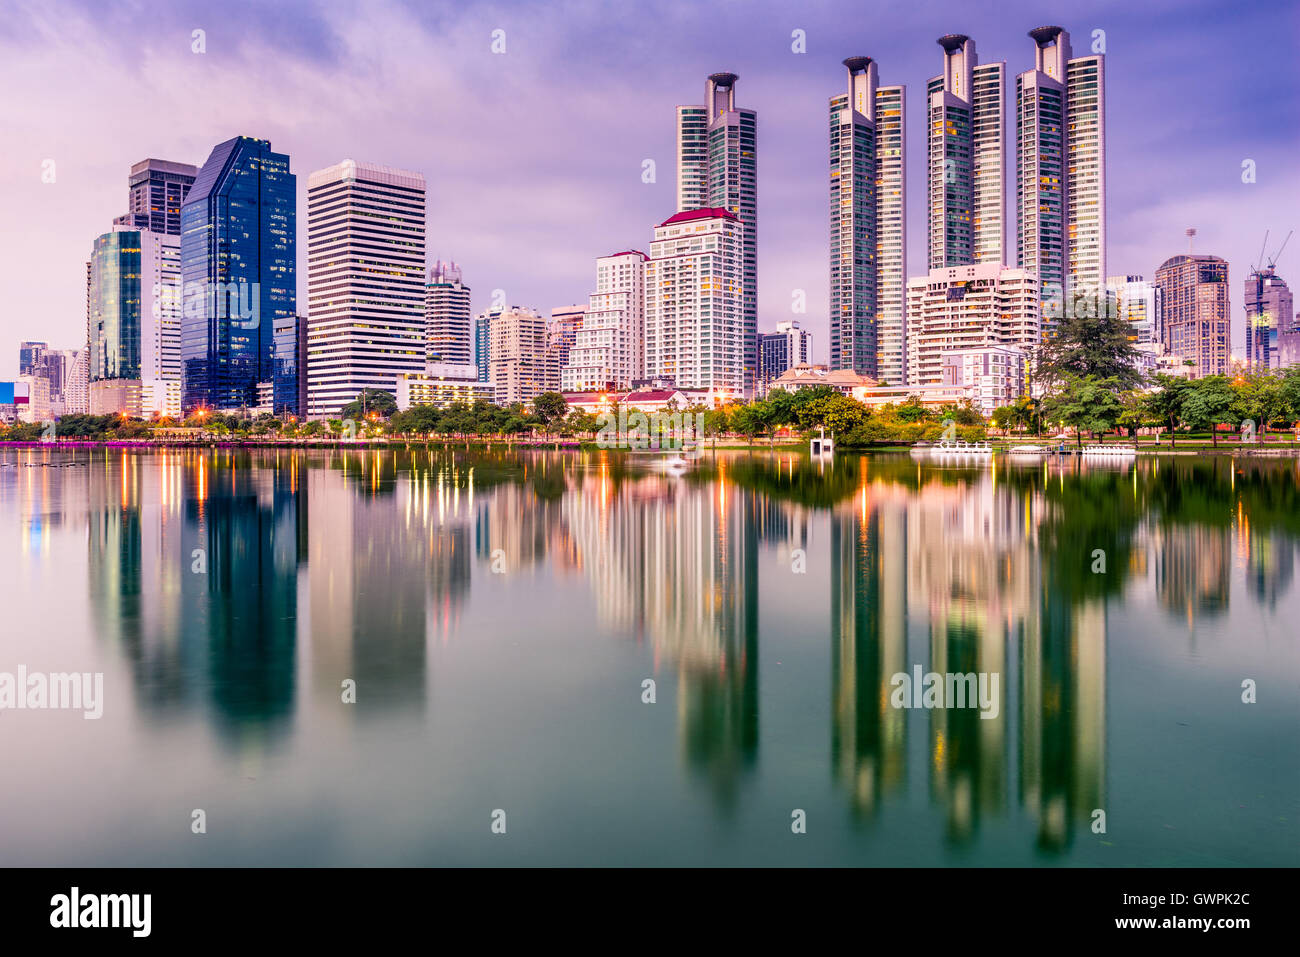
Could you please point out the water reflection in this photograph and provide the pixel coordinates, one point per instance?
(229, 582)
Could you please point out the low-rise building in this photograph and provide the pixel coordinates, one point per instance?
(442, 384)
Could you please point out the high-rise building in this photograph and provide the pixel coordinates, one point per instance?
(868, 225)
(448, 336)
(28, 353)
(609, 349)
(1195, 316)
(1061, 172)
(695, 309)
(717, 167)
(76, 382)
(967, 158)
(521, 365)
(483, 343)
(157, 191)
(781, 351)
(1269, 318)
(968, 307)
(562, 332)
(134, 323)
(365, 282)
(239, 229)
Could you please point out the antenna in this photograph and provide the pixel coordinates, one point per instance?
(1191, 235)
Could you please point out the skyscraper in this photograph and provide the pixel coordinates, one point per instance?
(1061, 172)
(157, 191)
(1269, 318)
(238, 263)
(447, 333)
(28, 353)
(134, 323)
(967, 158)
(1196, 319)
(483, 343)
(868, 225)
(717, 167)
(521, 366)
(610, 346)
(695, 313)
(365, 281)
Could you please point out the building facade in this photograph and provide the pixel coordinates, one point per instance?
(448, 334)
(1195, 317)
(443, 384)
(695, 304)
(782, 350)
(521, 365)
(1270, 318)
(717, 167)
(968, 307)
(156, 191)
(994, 375)
(868, 263)
(239, 228)
(608, 351)
(366, 287)
(1061, 172)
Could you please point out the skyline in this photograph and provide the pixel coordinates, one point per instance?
(506, 216)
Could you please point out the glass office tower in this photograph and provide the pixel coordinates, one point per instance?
(238, 241)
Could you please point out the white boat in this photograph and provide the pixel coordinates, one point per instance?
(959, 447)
(1030, 450)
(1110, 451)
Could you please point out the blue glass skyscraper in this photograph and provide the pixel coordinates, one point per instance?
(238, 248)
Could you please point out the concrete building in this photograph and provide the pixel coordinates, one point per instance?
(789, 346)
(448, 332)
(966, 166)
(1061, 171)
(442, 384)
(365, 282)
(968, 307)
(994, 375)
(696, 332)
(1270, 319)
(717, 167)
(609, 348)
(562, 331)
(1196, 320)
(521, 364)
(157, 189)
(868, 253)
(28, 353)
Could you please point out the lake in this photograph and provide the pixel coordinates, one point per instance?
(391, 657)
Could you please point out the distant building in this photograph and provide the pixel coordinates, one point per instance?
(695, 309)
(562, 331)
(805, 376)
(157, 189)
(609, 349)
(1196, 318)
(483, 343)
(76, 382)
(789, 346)
(1137, 302)
(28, 353)
(448, 335)
(442, 384)
(1270, 316)
(968, 307)
(289, 384)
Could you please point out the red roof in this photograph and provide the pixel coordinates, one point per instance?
(706, 212)
(628, 252)
(654, 395)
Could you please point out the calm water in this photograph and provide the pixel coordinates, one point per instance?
(500, 612)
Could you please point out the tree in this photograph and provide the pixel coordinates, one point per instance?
(550, 407)
(1004, 417)
(1165, 404)
(1208, 404)
(1089, 342)
(1085, 403)
(369, 401)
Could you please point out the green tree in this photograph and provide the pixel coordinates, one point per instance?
(1090, 340)
(1085, 403)
(1165, 403)
(1209, 404)
(550, 407)
(368, 401)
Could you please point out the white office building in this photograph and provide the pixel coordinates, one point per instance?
(365, 282)
(448, 336)
(609, 348)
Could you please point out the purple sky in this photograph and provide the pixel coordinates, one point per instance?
(534, 157)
